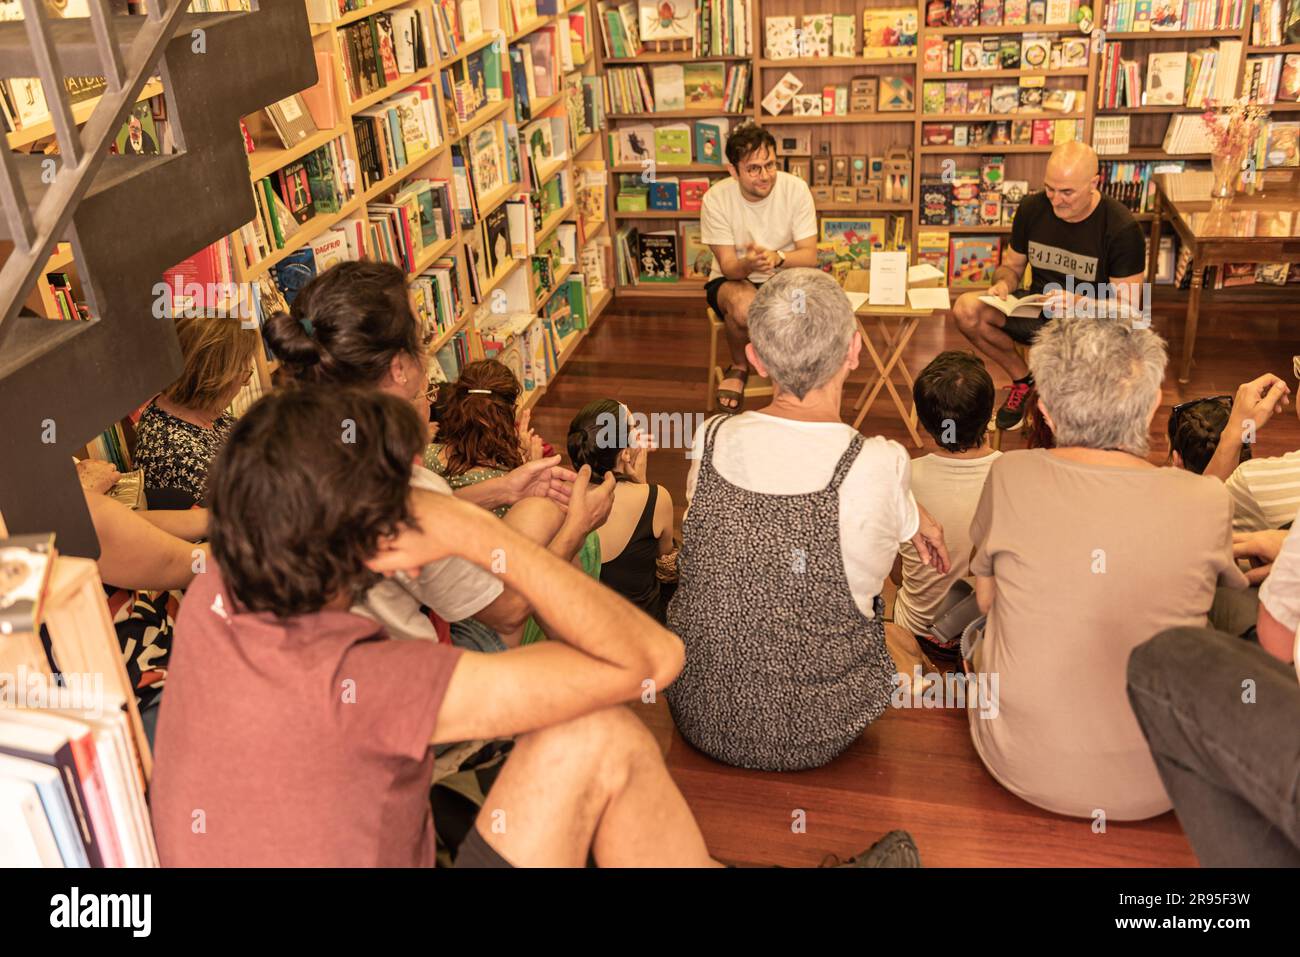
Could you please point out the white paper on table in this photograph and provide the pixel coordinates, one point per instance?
(923, 272)
(888, 279)
(857, 300)
(929, 298)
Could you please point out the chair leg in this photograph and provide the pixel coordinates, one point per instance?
(709, 399)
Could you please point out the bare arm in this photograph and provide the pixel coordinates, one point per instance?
(190, 524)
(137, 554)
(664, 519)
(546, 478)
(984, 591)
(804, 254)
(588, 509)
(602, 649)
(1252, 407)
(735, 267)
(1274, 636)
(1007, 277)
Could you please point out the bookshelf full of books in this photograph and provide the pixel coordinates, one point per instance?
(922, 127)
(453, 138)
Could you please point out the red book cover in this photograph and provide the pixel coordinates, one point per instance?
(692, 193)
(1042, 133)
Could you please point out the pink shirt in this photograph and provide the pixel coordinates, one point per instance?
(294, 743)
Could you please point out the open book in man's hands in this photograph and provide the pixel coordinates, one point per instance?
(1027, 307)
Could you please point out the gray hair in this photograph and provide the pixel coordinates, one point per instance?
(801, 324)
(1098, 380)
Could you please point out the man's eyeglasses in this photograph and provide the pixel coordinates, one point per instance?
(755, 169)
(1178, 409)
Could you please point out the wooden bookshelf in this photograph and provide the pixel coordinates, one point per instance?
(436, 163)
(25, 137)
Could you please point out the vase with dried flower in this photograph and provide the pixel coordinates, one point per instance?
(1233, 128)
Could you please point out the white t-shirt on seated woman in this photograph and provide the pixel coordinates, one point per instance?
(775, 456)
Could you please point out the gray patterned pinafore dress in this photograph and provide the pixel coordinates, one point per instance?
(783, 672)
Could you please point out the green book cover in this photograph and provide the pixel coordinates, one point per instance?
(270, 212)
(673, 145)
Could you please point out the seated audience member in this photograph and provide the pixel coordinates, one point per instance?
(640, 525)
(349, 740)
(1265, 491)
(954, 399)
(146, 558)
(794, 522)
(1194, 430)
(478, 437)
(1218, 715)
(353, 326)
(184, 427)
(1082, 552)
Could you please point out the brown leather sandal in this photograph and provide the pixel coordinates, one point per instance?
(735, 401)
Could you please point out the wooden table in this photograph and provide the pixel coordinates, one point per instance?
(888, 358)
(1260, 228)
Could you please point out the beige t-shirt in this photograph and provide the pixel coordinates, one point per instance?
(1089, 561)
(949, 489)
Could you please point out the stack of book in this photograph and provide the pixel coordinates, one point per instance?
(1002, 133)
(436, 299)
(418, 217)
(394, 134)
(1139, 16)
(471, 85)
(377, 51)
(619, 29)
(972, 197)
(1120, 81)
(703, 86)
(670, 144)
(316, 184)
(662, 194)
(1132, 184)
(1272, 79)
(970, 13)
(1029, 96)
(1029, 51)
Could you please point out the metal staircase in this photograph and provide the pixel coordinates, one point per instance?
(128, 219)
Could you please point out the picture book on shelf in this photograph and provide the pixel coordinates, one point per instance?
(658, 257)
(697, 258)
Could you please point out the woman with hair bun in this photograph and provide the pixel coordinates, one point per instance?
(639, 529)
(352, 326)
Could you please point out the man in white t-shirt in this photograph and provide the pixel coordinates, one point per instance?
(1220, 714)
(757, 222)
(954, 399)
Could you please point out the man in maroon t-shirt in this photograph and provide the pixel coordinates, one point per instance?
(296, 733)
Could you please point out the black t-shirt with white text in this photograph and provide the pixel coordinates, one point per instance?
(1107, 244)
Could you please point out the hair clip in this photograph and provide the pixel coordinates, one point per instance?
(479, 391)
(306, 324)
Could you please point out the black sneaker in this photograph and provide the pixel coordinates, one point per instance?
(1012, 412)
(895, 849)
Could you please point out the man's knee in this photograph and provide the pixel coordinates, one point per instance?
(1175, 659)
(537, 519)
(604, 744)
(969, 313)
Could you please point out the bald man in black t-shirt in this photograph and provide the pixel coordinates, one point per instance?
(1087, 253)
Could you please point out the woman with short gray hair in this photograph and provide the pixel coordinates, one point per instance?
(794, 522)
(1083, 552)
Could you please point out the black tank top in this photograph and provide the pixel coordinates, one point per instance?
(632, 573)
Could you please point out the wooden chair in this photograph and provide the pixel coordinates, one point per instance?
(754, 386)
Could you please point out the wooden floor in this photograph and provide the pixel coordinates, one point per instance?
(913, 769)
